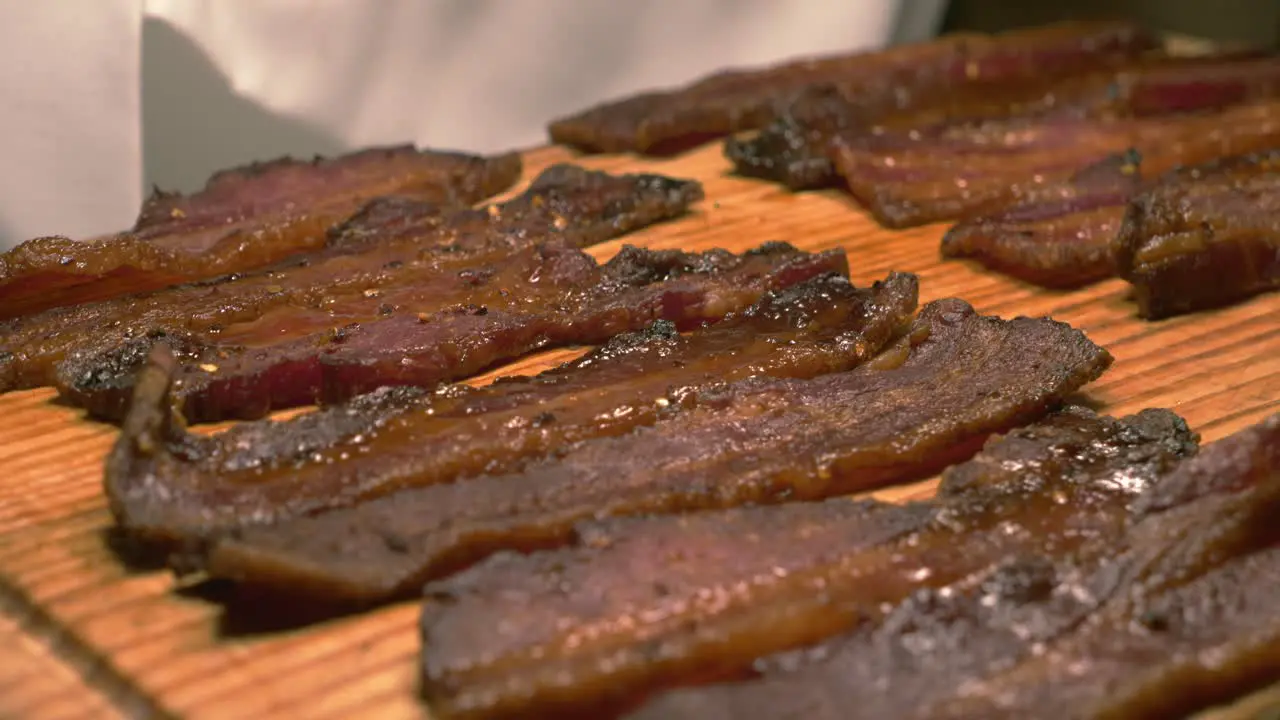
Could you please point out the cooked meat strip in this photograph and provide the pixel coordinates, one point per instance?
(936, 654)
(391, 244)
(792, 150)
(819, 327)
(735, 100)
(1076, 445)
(1203, 236)
(967, 171)
(244, 218)
(446, 328)
(1063, 240)
(266, 472)
(645, 602)
(1170, 655)
(1183, 619)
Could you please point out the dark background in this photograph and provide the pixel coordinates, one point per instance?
(1256, 22)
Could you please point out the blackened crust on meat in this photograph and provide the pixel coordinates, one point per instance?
(547, 296)
(660, 121)
(1064, 239)
(1125, 454)
(792, 150)
(1055, 489)
(972, 651)
(1248, 458)
(709, 592)
(393, 245)
(244, 218)
(1203, 237)
(817, 327)
(587, 206)
(1176, 618)
(955, 378)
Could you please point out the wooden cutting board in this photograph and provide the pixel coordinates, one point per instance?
(82, 636)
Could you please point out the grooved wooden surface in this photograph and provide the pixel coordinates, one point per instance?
(81, 636)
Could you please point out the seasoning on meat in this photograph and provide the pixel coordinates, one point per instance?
(961, 172)
(818, 327)
(735, 100)
(644, 602)
(712, 591)
(988, 646)
(443, 328)
(1044, 82)
(244, 218)
(1180, 614)
(1203, 236)
(164, 484)
(1062, 240)
(391, 244)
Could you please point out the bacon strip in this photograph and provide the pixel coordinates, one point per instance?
(639, 603)
(1204, 236)
(968, 171)
(793, 149)
(1060, 242)
(818, 327)
(391, 245)
(731, 101)
(165, 484)
(244, 218)
(1153, 617)
(445, 328)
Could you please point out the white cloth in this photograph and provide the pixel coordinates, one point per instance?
(101, 95)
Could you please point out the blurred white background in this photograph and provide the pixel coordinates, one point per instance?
(107, 97)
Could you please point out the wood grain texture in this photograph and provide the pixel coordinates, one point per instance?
(132, 643)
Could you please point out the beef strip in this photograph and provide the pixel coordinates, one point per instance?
(1204, 236)
(819, 327)
(1063, 240)
(645, 602)
(265, 472)
(944, 652)
(391, 244)
(244, 218)
(735, 100)
(445, 328)
(792, 150)
(967, 171)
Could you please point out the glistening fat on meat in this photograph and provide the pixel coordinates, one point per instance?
(392, 244)
(168, 485)
(1157, 613)
(1203, 236)
(1011, 78)
(736, 100)
(646, 602)
(961, 172)
(388, 547)
(445, 328)
(245, 218)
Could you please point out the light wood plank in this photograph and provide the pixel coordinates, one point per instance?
(132, 634)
